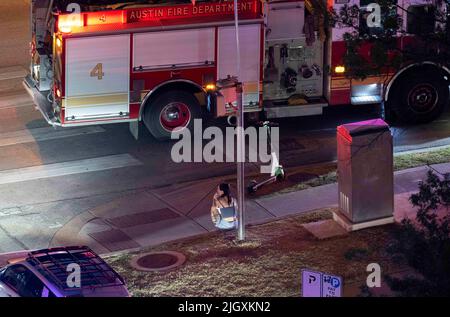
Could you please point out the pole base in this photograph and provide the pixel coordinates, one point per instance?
(348, 225)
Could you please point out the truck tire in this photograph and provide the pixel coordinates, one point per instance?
(171, 111)
(420, 98)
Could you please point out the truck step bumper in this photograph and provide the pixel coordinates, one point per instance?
(285, 111)
(41, 102)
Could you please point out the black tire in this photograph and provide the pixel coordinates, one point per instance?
(250, 187)
(389, 115)
(419, 98)
(181, 103)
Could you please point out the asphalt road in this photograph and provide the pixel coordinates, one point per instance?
(14, 32)
(49, 176)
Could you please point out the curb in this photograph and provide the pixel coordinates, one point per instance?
(422, 150)
(71, 229)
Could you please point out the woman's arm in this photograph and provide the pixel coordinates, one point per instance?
(235, 205)
(215, 217)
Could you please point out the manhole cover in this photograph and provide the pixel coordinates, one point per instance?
(158, 261)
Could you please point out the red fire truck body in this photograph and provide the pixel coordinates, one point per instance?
(161, 64)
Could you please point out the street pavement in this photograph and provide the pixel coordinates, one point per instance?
(14, 33)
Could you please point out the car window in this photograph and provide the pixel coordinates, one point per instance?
(47, 293)
(9, 277)
(23, 281)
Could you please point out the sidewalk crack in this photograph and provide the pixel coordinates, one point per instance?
(13, 238)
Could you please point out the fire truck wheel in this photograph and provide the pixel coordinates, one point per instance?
(171, 111)
(420, 99)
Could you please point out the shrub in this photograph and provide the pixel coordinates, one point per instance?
(425, 245)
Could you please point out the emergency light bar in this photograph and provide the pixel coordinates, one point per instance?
(74, 22)
(68, 23)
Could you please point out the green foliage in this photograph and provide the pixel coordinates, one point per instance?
(365, 291)
(425, 245)
(380, 42)
(356, 254)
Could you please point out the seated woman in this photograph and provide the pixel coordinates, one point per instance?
(224, 208)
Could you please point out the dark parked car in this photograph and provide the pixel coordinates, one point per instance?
(61, 272)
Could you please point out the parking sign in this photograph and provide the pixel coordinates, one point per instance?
(318, 284)
(331, 286)
(311, 284)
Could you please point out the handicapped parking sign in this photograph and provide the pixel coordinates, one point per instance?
(318, 284)
(331, 286)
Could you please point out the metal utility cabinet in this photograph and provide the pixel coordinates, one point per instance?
(365, 174)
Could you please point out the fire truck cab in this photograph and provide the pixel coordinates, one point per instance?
(161, 62)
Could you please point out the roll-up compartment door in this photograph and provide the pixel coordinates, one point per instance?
(285, 20)
(177, 48)
(250, 48)
(97, 77)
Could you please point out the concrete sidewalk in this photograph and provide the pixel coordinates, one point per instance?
(150, 217)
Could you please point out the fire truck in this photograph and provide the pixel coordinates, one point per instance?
(162, 63)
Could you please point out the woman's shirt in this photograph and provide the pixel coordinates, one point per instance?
(221, 203)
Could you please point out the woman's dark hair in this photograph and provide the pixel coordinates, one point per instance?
(226, 191)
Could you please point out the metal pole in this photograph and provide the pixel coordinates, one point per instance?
(238, 50)
(240, 163)
(240, 134)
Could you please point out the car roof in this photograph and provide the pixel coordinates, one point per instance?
(96, 276)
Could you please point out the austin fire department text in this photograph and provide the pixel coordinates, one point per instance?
(180, 11)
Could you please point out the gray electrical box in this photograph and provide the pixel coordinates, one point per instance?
(365, 172)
